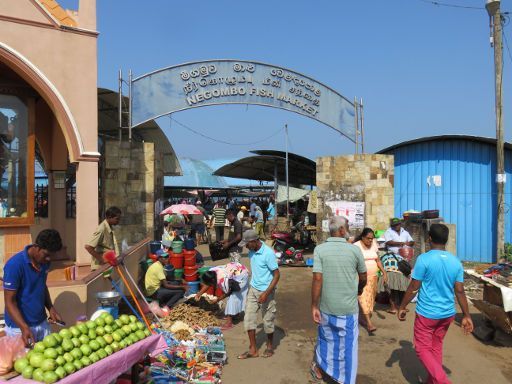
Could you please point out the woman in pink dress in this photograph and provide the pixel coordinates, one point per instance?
(366, 242)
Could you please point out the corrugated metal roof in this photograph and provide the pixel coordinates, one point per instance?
(455, 174)
(488, 140)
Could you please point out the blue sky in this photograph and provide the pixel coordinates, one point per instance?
(421, 69)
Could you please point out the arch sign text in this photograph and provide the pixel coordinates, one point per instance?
(219, 82)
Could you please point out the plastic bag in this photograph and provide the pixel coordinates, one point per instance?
(12, 348)
(155, 308)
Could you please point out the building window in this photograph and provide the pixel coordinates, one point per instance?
(16, 161)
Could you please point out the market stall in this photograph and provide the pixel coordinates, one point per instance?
(111, 367)
(496, 302)
(184, 345)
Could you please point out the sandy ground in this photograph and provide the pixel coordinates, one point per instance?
(388, 357)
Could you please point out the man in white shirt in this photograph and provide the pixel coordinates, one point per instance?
(396, 237)
(241, 213)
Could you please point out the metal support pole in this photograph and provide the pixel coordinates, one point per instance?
(356, 123)
(287, 180)
(362, 124)
(275, 180)
(130, 105)
(493, 8)
(120, 105)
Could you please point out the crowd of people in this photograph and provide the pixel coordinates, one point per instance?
(344, 286)
(347, 275)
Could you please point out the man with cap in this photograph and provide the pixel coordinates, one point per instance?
(241, 214)
(264, 279)
(156, 284)
(396, 237)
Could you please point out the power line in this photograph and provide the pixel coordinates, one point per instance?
(442, 4)
(506, 45)
(222, 141)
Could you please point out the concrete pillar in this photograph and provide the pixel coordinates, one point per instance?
(57, 215)
(87, 14)
(86, 207)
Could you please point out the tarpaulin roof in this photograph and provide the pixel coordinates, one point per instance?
(196, 174)
(302, 171)
(295, 194)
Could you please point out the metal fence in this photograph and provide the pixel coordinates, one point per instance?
(41, 202)
(71, 203)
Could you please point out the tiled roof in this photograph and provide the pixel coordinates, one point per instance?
(58, 13)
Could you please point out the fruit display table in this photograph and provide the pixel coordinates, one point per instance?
(111, 367)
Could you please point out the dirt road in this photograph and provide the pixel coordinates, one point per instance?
(388, 357)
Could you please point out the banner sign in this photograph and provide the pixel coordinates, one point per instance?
(220, 82)
(353, 211)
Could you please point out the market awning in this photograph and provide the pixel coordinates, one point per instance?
(294, 193)
(108, 125)
(264, 167)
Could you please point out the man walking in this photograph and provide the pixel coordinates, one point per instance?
(219, 220)
(264, 279)
(26, 294)
(437, 275)
(339, 276)
(260, 223)
(104, 239)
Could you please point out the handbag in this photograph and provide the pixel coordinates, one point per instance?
(403, 266)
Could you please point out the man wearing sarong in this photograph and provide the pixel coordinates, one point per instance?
(339, 276)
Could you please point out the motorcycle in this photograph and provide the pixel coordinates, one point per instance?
(289, 246)
(299, 237)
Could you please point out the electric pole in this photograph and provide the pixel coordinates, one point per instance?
(493, 8)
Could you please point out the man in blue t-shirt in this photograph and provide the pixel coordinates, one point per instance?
(438, 276)
(25, 292)
(264, 278)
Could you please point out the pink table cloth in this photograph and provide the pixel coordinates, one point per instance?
(109, 368)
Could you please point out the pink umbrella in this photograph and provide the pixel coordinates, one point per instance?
(181, 209)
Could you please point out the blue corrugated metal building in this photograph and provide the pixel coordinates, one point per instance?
(455, 174)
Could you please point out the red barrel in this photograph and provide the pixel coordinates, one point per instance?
(189, 258)
(190, 273)
(176, 260)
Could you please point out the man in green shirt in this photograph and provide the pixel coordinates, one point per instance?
(339, 276)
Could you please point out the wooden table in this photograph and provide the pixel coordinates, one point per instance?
(491, 305)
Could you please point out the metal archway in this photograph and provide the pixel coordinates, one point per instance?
(220, 82)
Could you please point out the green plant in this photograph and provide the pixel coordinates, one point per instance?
(507, 252)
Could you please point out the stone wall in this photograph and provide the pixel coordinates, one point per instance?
(356, 178)
(133, 182)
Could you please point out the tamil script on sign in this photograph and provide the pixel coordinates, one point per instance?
(353, 211)
(238, 82)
